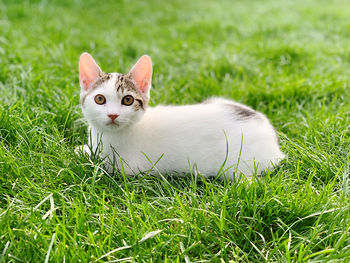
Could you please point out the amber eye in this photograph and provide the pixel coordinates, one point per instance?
(128, 100)
(100, 99)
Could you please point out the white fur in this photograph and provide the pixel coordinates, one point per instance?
(185, 136)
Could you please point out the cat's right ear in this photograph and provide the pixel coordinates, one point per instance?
(89, 71)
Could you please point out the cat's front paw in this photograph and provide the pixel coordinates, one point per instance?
(82, 149)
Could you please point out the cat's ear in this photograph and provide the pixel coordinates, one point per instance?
(141, 74)
(89, 71)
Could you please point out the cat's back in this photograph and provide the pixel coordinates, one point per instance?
(214, 111)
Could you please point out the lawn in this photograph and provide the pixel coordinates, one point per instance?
(287, 59)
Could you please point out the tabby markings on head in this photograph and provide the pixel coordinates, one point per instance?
(124, 84)
(119, 84)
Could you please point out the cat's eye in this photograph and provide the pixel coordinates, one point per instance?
(100, 99)
(128, 100)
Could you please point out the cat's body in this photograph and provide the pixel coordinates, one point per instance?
(204, 136)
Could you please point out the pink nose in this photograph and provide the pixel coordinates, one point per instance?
(113, 116)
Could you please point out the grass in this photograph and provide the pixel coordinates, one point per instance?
(287, 59)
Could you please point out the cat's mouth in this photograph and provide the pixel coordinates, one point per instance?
(113, 124)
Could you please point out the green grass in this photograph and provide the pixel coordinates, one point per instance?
(287, 59)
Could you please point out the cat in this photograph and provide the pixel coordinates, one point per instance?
(217, 136)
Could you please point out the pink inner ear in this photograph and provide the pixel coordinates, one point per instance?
(89, 71)
(141, 73)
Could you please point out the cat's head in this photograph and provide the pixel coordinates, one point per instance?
(112, 101)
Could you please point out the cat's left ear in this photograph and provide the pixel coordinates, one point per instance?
(141, 74)
(89, 71)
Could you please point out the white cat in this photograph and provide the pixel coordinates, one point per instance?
(216, 134)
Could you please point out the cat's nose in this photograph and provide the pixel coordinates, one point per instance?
(113, 116)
